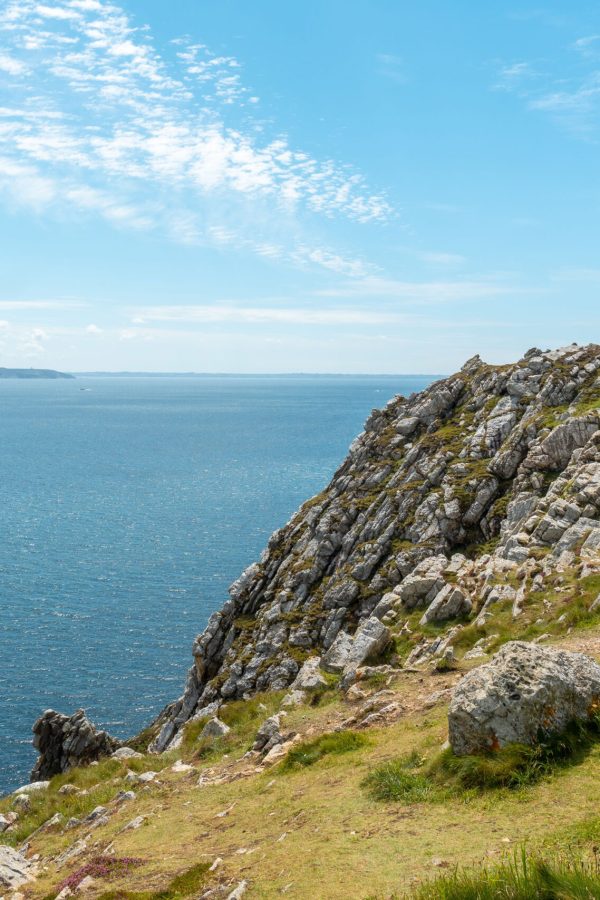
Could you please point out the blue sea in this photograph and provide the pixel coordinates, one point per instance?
(127, 509)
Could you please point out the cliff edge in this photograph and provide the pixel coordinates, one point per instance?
(466, 495)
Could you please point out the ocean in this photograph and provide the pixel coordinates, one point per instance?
(128, 505)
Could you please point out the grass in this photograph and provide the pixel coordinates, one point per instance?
(407, 780)
(183, 885)
(309, 752)
(397, 781)
(521, 878)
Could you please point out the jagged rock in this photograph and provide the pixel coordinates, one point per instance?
(67, 741)
(450, 603)
(370, 639)
(15, 869)
(505, 456)
(215, 729)
(309, 677)
(268, 735)
(523, 691)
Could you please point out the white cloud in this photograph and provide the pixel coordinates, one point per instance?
(11, 66)
(93, 329)
(443, 259)
(211, 314)
(420, 292)
(103, 107)
(38, 304)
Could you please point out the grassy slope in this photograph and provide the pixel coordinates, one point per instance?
(338, 841)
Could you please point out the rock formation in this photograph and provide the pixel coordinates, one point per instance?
(524, 692)
(450, 504)
(67, 741)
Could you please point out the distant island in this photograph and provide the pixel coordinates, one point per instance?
(33, 373)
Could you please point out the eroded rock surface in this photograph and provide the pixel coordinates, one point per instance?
(525, 691)
(67, 741)
(498, 457)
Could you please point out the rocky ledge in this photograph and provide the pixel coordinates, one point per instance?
(466, 495)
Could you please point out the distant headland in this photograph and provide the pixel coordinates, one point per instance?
(33, 373)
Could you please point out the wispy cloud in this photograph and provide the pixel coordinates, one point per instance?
(19, 305)
(210, 314)
(392, 67)
(442, 259)
(566, 88)
(106, 124)
(420, 292)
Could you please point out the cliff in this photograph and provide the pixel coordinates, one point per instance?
(450, 505)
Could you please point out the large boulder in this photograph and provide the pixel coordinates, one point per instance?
(524, 692)
(67, 741)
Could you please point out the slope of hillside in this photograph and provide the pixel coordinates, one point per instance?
(472, 491)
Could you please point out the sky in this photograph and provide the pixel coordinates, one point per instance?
(359, 186)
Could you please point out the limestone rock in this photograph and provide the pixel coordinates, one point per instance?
(309, 677)
(215, 729)
(15, 869)
(523, 691)
(450, 603)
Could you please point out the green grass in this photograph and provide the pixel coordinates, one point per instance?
(408, 780)
(520, 878)
(309, 752)
(400, 781)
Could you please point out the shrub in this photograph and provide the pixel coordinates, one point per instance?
(309, 752)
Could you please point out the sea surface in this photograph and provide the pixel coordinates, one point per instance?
(127, 507)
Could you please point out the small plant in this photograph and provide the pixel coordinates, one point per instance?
(309, 752)
(101, 867)
(401, 781)
(183, 885)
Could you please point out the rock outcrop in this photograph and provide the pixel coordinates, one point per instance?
(67, 741)
(524, 693)
(451, 503)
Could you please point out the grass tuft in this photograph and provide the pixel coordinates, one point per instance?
(309, 752)
(401, 781)
(519, 878)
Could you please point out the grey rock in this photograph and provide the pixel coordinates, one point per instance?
(215, 729)
(67, 741)
(309, 678)
(450, 603)
(523, 691)
(15, 869)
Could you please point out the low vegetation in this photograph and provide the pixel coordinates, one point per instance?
(520, 878)
(411, 780)
(309, 752)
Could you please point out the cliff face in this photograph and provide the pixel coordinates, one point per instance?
(456, 499)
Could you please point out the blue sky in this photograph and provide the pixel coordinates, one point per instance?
(323, 186)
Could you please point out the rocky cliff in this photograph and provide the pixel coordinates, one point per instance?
(454, 503)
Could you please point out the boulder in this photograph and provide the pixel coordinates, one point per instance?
(309, 677)
(15, 869)
(346, 652)
(214, 728)
(450, 603)
(67, 741)
(523, 692)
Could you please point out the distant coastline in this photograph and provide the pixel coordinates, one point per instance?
(33, 373)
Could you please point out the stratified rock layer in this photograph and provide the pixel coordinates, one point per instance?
(484, 473)
(522, 694)
(67, 741)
